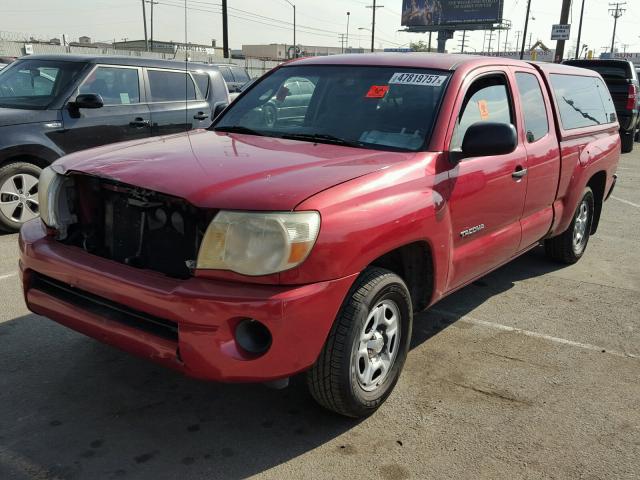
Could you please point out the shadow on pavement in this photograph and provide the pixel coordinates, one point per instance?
(73, 408)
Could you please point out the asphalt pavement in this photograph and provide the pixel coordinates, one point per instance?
(531, 372)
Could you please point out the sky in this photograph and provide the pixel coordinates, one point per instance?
(318, 22)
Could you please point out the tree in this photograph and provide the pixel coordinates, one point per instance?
(420, 46)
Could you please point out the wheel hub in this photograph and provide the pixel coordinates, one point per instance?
(375, 345)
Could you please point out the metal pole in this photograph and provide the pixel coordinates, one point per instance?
(578, 46)
(526, 25)
(430, 41)
(347, 40)
(373, 27)
(295, 45)
(225, 30)
(152, 3)
(564, 18)
(144, 20)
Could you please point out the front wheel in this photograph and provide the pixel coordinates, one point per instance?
(361, 360)
(568, 247)
(18, 194)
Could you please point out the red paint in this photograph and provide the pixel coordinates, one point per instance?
(371, 202)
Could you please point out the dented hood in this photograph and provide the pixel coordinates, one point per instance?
(219, 170)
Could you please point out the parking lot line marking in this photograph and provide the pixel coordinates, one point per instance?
(529, 333)
(626, 201)
(8, 275)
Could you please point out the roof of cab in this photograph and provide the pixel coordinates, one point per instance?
(438, 61)
(122, 60)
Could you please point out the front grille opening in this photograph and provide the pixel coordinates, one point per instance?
(107, 309)
(137, 227)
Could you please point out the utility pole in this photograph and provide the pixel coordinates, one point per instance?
(225, 30)
(342, 40)
(506, 38)
(526, 26)
(490, 40)
(462, 44)
(429, 46)
(152, 2)
(578, 47)
(373, 23)
(616, 13)
(144, 20)
(564, 18)
(518, 33)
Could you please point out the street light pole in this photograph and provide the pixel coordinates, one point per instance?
(295, 46)
(144, 20)
(347, 41)
(578, 47)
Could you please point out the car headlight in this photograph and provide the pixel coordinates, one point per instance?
(49, 185)
(255, 243)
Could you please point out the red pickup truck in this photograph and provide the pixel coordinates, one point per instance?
(278, 242)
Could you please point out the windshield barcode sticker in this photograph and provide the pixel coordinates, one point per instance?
(400, 78)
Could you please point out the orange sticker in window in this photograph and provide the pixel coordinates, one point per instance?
(484, 109)
(377, 91)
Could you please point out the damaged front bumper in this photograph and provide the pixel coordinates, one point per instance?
(185, 324)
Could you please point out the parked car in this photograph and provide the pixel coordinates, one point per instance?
(235, 75)
(250, 252)
(51, 105)
(622, 80)
(289, 104)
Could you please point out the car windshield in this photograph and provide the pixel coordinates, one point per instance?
(369, 107)
(35, 84)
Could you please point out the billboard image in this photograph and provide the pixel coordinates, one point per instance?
(426, 13)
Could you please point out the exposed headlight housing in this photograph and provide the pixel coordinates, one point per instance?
(53, 203)
(257, 243)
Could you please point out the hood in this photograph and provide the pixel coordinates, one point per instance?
(219, 170)
(19, 116)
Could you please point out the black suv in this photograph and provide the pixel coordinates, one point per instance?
(622, 80)
(235, 75)
(51, 105)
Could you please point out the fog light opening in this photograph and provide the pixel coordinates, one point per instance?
(253, 337)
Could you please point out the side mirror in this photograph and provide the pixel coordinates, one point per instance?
(88, 100)
(218, 109)
(489, 138)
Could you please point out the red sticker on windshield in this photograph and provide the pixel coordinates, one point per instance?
(377, 91)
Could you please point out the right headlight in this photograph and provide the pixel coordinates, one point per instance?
(49, 185)
(257, 243)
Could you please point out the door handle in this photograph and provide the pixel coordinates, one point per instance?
(200, 116)
(139, 123)
(519, 173)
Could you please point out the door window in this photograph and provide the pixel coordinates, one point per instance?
(240, 75)
(486, 101)
(535, 113)
(226, 74)
(116, 86)
(166, 86)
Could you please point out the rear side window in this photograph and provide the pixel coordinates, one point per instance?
(202, 79)
(226, 74)
(535, 113)
(240, 75)
(168, 86)
(116, 86)
(581, 101)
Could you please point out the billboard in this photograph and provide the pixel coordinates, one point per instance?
(432, 13)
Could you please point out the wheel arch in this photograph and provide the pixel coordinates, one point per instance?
(597, 183)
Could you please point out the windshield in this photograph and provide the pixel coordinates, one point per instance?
(370, 107)
(35, 83)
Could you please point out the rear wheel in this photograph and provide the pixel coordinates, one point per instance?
(18, 194)
(362, 359)
(627, 142)
(569, 246)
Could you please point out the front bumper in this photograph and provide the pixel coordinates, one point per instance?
(204, 311)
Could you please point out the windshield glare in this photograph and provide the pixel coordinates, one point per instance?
(35, 83)
(374, 107)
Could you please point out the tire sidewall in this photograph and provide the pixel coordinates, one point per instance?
(588, 196)
(391, 288)
(8, 171)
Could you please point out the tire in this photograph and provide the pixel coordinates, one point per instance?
(569, 246)
(270, 115)
(363, 356)
(627, 142)
(18, 194)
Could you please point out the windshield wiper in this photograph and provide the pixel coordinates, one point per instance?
(322, 138)
(237, 129)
